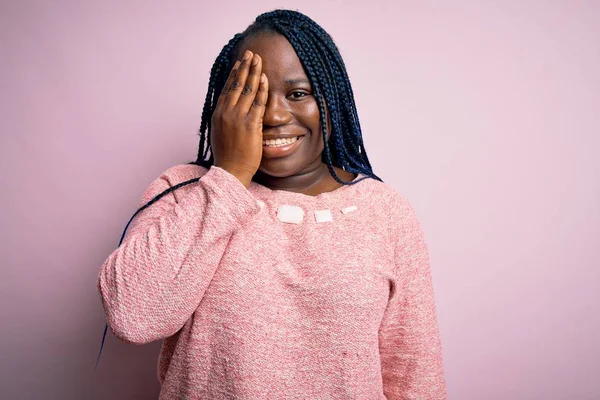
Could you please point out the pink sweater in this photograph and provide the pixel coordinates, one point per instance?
(252, 307)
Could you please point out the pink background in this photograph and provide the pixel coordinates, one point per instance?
(485, 114)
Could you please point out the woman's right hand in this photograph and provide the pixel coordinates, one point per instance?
(237, 122)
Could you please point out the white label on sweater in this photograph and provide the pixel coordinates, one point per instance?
(349, 209)
(260, 204)
(290, 214)
(323, 216)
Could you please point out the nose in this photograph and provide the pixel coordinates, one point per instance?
(276, 113)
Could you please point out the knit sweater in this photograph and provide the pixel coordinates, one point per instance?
(272, 294)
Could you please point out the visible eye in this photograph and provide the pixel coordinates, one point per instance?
(298, 95)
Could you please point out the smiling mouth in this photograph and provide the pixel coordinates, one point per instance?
(281, 142)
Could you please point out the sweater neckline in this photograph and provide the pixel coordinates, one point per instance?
(287, 194)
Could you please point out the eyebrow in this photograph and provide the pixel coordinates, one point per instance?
(296, 81)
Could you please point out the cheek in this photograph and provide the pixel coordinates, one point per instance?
(309, 111)
(307, 114)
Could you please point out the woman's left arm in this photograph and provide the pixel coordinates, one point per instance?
(409, 340)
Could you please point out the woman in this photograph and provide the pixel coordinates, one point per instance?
(278, 265)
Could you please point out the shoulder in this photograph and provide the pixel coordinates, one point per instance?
(394, 206)
(388, 197)
(182, 172)
(171, 177)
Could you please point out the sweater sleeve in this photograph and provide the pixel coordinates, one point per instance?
(152, 284)
(409, 339)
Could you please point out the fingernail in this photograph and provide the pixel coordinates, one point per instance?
(255, 60)
(263, 77)
(246, 55)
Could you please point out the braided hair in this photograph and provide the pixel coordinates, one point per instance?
(327, 74)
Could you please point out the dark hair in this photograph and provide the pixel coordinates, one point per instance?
(327, 74)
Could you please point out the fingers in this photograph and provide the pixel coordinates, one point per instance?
(227, 85)
(246, 88)
(257, 109)
(250, 87)
(239, 81)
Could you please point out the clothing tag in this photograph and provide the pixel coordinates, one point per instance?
(349, 209)
(323, 216)
(290, 214)
(261, 203)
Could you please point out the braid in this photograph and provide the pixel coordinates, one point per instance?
(349, 120)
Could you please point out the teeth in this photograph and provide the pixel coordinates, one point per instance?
(279, 142)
